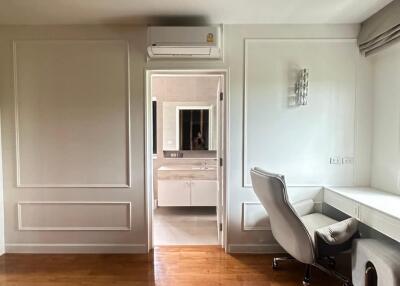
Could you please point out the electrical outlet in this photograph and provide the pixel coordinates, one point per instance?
(347, 160)
(335, 161)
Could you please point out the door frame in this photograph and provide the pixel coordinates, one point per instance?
(224, 155)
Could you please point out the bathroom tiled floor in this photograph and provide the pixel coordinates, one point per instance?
(185, 226)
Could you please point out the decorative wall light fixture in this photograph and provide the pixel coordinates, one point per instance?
(301, 87)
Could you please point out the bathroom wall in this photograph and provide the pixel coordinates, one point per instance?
(385, 171)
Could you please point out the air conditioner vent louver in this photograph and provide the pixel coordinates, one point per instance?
(178, 51)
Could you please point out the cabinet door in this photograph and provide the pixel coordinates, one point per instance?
(173, 193)
(204, 193)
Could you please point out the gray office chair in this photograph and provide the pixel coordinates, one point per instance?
(309, 237)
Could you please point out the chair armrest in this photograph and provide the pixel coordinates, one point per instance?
(339, 232)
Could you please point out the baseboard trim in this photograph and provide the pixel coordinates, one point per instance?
(255, 248)
(74, 248)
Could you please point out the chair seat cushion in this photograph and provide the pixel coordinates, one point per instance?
(314, 221)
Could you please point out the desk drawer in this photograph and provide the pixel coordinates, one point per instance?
(341, 203)
(381, 222)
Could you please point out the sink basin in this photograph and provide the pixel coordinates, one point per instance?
(187, 168)
(204, 168)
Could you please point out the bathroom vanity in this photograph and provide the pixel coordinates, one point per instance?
(187, 185)
(189, 131)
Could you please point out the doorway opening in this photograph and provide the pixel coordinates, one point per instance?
(185, 153)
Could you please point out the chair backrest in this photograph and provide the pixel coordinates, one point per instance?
(286, 226)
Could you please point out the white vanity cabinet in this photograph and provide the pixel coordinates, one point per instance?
(203, 193)
(174, 193)
(187, 185)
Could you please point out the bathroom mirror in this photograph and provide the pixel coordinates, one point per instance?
(189, 127)
(193, 128)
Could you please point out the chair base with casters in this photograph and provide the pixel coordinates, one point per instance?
(329, 269)
(306, 235)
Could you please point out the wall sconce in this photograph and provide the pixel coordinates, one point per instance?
(301, 87)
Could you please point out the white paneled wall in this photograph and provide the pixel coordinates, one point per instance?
(73, 108)
(72, 153)
(297, 141)
(385, 171)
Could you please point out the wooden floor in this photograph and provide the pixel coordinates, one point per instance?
(203, 265)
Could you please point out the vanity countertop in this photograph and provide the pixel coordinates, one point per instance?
(187, 172)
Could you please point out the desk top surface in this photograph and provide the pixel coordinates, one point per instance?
(385, 202)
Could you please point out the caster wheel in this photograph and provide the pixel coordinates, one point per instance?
(274, 264)
(332, 264)
(305, 283)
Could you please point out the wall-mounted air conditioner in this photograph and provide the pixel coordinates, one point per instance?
(184, 42)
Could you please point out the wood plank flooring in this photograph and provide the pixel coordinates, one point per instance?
(169, 266)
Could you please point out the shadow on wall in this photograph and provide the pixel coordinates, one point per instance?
(162, 20)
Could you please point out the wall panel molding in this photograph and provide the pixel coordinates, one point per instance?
(259, 219)
(19, 178)
(74, 248)
(21, 226)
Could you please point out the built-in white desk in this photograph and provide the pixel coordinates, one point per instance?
(377, 209)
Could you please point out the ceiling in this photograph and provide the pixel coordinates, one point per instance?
(195, 12)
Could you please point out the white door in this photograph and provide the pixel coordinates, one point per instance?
(172, 193)
(221, 159)
(204, 193)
